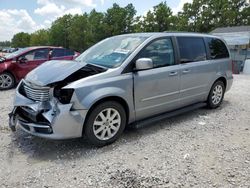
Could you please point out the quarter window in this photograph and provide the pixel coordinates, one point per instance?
(218, 49)
(192, 49)
(160, 51)
(61, 52)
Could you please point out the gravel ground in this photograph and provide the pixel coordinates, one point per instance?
(203, 148)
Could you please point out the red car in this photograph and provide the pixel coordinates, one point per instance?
(15, 66)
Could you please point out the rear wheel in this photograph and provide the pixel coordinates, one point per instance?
(105, 123)
(7, 81)
(216, 94)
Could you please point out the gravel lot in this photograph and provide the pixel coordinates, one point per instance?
(203, 148)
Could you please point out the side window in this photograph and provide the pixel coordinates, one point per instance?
(69, 52)
(58, 52)
(39, 54)
(191, 49)
(160, 51)
(217, 48)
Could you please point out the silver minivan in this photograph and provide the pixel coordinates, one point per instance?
(129, 79)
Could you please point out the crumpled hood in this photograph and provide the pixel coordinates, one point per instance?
(53, 71)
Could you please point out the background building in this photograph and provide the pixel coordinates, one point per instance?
(238, 40)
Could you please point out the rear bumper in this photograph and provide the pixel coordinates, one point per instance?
(50, 119)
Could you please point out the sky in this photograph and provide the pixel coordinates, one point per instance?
(31, 15)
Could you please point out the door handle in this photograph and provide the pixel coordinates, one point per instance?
(186, 71)
(173, 73)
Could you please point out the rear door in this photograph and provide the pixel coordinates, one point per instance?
(157, 90)
(195, 69)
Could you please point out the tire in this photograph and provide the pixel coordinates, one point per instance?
(101, 130)
(7, 81)
(216, 95)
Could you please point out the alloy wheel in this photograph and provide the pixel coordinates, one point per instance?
(5, 81)
(217, 94)
(107, 124)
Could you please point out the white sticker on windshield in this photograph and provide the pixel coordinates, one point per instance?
(122, 51)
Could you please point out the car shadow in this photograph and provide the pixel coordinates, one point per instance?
(38, 149)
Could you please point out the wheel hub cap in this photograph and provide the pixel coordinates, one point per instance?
(107, 124)
(217, 94)
(5, 81)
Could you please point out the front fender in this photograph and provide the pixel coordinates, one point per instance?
(89, 100)
(101, 93)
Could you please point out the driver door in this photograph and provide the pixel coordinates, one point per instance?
(30, 61)
(157, 90)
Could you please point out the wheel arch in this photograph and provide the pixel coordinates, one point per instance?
(118, 99)
(223, 79)
(9, 72)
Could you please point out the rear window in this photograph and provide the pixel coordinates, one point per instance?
(217, 48)
(192, 49)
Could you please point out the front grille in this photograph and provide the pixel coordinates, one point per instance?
(35, 94)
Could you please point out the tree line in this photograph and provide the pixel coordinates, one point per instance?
(78, 32)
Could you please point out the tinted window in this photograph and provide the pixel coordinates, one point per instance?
(191, 49)
(160, 51)
(217, 49)
(69, 52)
(58, 53)
(61, 52)
(37, 54)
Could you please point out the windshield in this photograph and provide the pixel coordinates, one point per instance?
(16, 53)
(111, 52)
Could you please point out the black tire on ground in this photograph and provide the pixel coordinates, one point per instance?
(212, 103)
(89, 125)
(10, 78)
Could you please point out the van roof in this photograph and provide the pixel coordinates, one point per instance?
(171, 33)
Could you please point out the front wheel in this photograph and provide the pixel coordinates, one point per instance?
(216, 95)
(7, 81)
(105, 123)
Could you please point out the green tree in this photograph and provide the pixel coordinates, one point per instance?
(238, 12)
(97, 27)
(119, 20)
(21, 40)
(81, 31)
(78, 32)
(39, 38)
(160, 19)
(206, 15)
(245, 15)
(59, 31)
(5, 43)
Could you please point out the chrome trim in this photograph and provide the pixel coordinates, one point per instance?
(191, 88)
(36, 93)
(160, 96)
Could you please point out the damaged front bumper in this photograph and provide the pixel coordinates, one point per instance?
(47, 119)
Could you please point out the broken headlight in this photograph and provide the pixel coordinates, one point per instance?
(63, 95)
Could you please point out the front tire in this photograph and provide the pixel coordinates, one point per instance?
(105, 123)
(216, 94)
(7, 81)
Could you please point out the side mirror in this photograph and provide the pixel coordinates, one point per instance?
(143, 64)
(22, 60)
